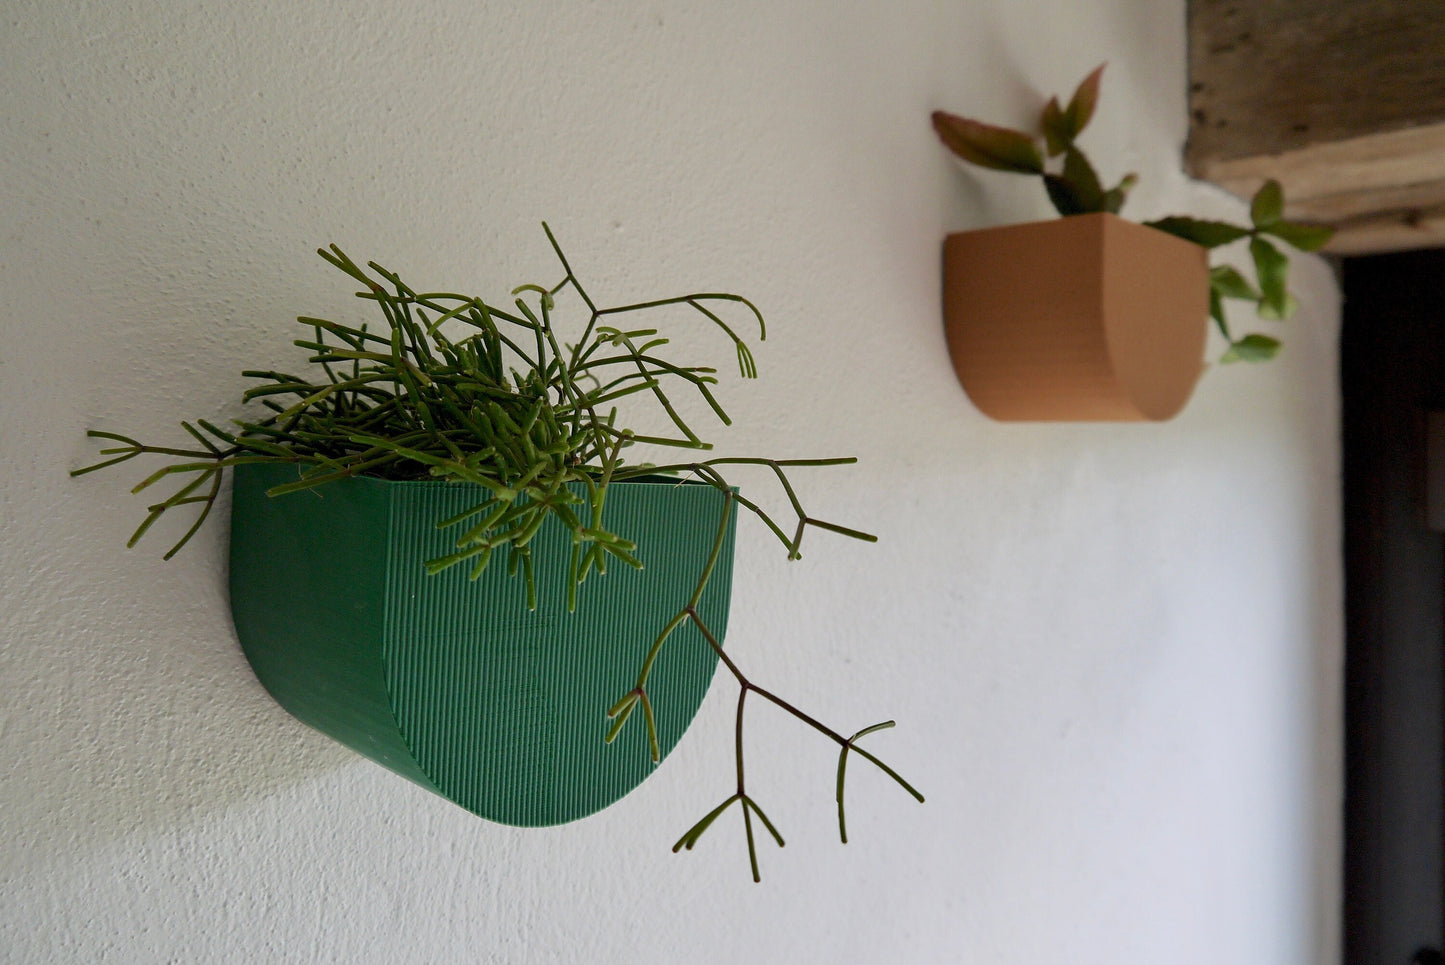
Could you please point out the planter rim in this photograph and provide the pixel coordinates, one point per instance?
(654, 479)
(1065, 218)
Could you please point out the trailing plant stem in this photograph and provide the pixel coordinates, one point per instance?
(622, 709)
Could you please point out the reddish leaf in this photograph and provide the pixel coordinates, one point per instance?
(1085, 99)
(987, 146)
(1057, 134)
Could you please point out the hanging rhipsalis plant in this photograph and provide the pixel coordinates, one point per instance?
(454, 388)
(1075, 188)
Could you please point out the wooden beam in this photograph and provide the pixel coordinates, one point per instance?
(1268, 76)
(1382, 192)
(1382, 233)
(1343, 101)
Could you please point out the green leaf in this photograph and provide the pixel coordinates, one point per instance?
(1058, 136)
(1077, 189)
(1115, 196)
(1252, 348)
(1271, 268)
(1208, 234)
(988, 146)
(1061, 193)
(1305, 237)
(1268, 204)
(1291, 305)
(1216, 312)
(1080, 173)
(1231, 284)
(1082, 104)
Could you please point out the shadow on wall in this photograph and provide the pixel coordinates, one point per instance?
(160, 721)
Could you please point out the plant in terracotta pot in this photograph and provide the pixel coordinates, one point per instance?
(441, 556)
(1092, 317)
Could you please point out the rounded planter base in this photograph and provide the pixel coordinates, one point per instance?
(454, 683)
(1085, 318)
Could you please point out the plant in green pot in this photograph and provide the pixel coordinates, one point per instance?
(1092, 317)
(442, 557)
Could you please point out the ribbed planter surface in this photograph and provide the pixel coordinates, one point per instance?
(1087, 318)
(455, 684)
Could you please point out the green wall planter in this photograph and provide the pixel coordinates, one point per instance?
(455, 684)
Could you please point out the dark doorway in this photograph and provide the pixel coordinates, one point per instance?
(1393, 377)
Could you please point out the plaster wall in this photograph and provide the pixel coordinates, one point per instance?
(1113, 650)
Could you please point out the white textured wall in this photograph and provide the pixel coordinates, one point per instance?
(1113, 651)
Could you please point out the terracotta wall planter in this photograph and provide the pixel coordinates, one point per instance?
(454, 684)
(1086, 318)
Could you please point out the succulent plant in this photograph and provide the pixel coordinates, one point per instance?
(1074, 187)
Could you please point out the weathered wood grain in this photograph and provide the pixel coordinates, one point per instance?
(1343, 102)
(1278, 75)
